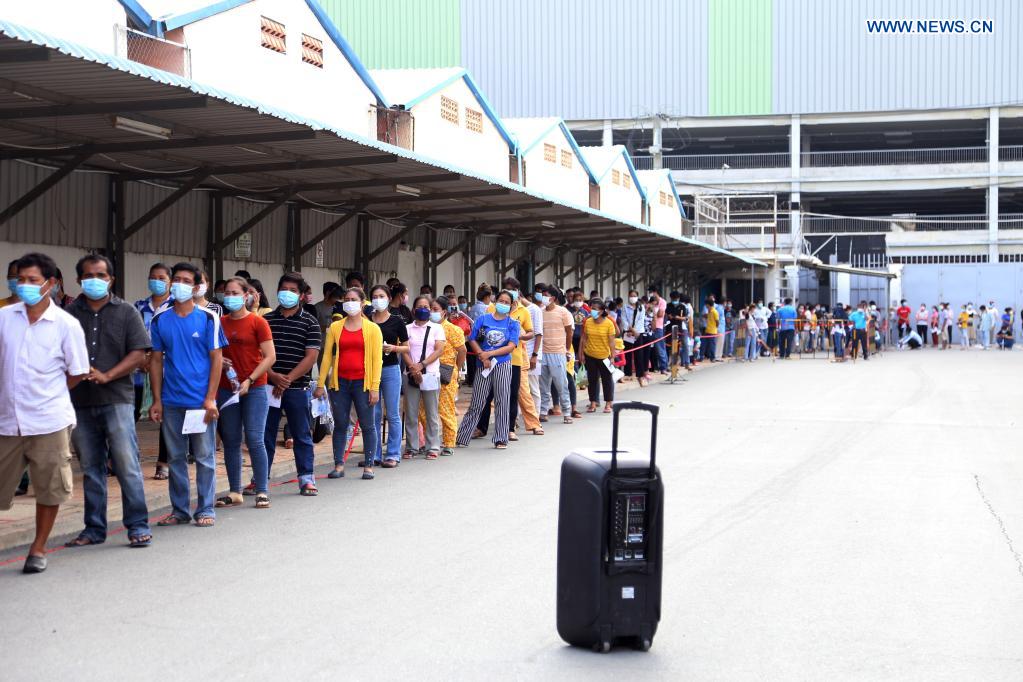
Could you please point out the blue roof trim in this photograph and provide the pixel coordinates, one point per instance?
(137, 14)
(678, 199)
(532, 144)
(178, 20)
(24, 34)
(346, 49)
(578, 152)
(463, 75)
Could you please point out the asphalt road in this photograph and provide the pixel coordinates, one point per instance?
(822, 522)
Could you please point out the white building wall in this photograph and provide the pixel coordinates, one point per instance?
(616, 199)
(90, 24)
(226, 53)
(486, 153)
(663, 217)
(553, 179)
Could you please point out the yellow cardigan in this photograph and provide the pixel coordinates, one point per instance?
(374, 355)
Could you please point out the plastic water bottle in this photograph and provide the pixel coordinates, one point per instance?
(232, 378)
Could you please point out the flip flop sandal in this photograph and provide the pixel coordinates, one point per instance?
(407, 454)
(162, 474)
(607, 409)
(390, 464)
(229, 500)
(501, 446)
(309, 490)
(82, 541)
(249, 490)
(591, 409)
(447, 452)
(537, 432)
(334, 473)
(477, 434)
(512, 436)
(368, 475)
(431, 455)
(205, 522)
(172, 520)
(136, 541)
(262, 501)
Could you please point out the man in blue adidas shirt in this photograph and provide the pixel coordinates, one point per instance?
(184, 373)
(859, 320)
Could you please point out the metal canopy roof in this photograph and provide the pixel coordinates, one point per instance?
(57, 101)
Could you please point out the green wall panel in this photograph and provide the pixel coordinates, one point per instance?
(400, 34)
(739, 59)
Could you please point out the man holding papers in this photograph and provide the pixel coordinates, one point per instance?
(184, 373)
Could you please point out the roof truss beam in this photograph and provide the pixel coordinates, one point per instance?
(436, 196)
(275, 166)
(89, 108)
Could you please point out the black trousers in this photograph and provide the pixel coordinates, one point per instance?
(513, 404)
(637, 362)
(860, 337)
(786, 339)
(595, 368)
(921, 329)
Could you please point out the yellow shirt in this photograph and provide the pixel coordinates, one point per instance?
(521, 315)
(712, 321)
(454, 339)
(964, 320)
(600, 334)
(373, 357)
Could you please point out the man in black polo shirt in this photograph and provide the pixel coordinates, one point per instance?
(297, 339)
(105, 404)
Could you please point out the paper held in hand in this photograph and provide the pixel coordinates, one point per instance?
(195, 422)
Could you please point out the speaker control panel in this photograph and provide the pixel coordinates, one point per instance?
(629, 527)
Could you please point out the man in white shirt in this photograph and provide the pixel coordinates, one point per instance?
(42, 356)
(534, 347)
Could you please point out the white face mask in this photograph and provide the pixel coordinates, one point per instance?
(201, 290)
(352, 307)
(381, 303)
(633, 300)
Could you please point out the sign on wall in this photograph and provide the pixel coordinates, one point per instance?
(243, 247)
(319, 254)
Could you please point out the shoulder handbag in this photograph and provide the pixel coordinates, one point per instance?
(422, 357)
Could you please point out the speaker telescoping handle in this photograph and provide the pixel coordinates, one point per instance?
(618, 408)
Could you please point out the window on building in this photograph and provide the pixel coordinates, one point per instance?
(566, 158)
(662, 198)
(626, 181)
(670, 201)
(474, 120)
(550, 153)
(312, 51)
(449, 109)
(272, 35)
(616, 177)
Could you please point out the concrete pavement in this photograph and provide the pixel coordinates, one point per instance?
(822, 522)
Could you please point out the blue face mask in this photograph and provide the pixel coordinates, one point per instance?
(422, 314)
(182, 292)
(435, 317)
(233, 303)
(514, 295)
(287, 299)
(95, 288)
(157, 287)
(502, 308)
(463, 306)
(30, 294)
(538, 297)
(594, 314)
(12, 284)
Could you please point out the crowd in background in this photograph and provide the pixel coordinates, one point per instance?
(213, 362)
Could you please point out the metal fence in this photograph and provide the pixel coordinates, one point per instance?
(1010, 152)
(928, 223)
(716, 161)
(894, 157)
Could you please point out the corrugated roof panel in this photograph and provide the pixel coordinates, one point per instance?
(72, 213)
(181, 229)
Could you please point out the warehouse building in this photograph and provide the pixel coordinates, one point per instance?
(854, 144)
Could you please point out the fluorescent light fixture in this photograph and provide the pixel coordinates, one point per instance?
(623, 241)
(130, 125)
(406, 189)
(548, 224)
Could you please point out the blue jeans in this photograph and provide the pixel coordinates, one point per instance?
(102, 431)
(729, 344)
(203, 447)
(295, 406)
(390, 398)
(348, 392)
(246, 417)
(554, 384)
(751, 347)
(838, 341)
(660, 352)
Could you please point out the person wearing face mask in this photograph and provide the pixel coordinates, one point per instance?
(520, 365)
(350, 375)
(186, 365)
(250, 352)
(598, 345)
(117, 343)
(422, 379)
(859, 319)
(200, 296)
(59, 294)
(395, 344)
(41, 343)
(296, 336)
(633, 322)
(399, 303)
(534, 355)
(12, 285)
(557, 342)
(493, 339)
(218, 291)
(453, 357)
(923, 318)
(159, 298)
